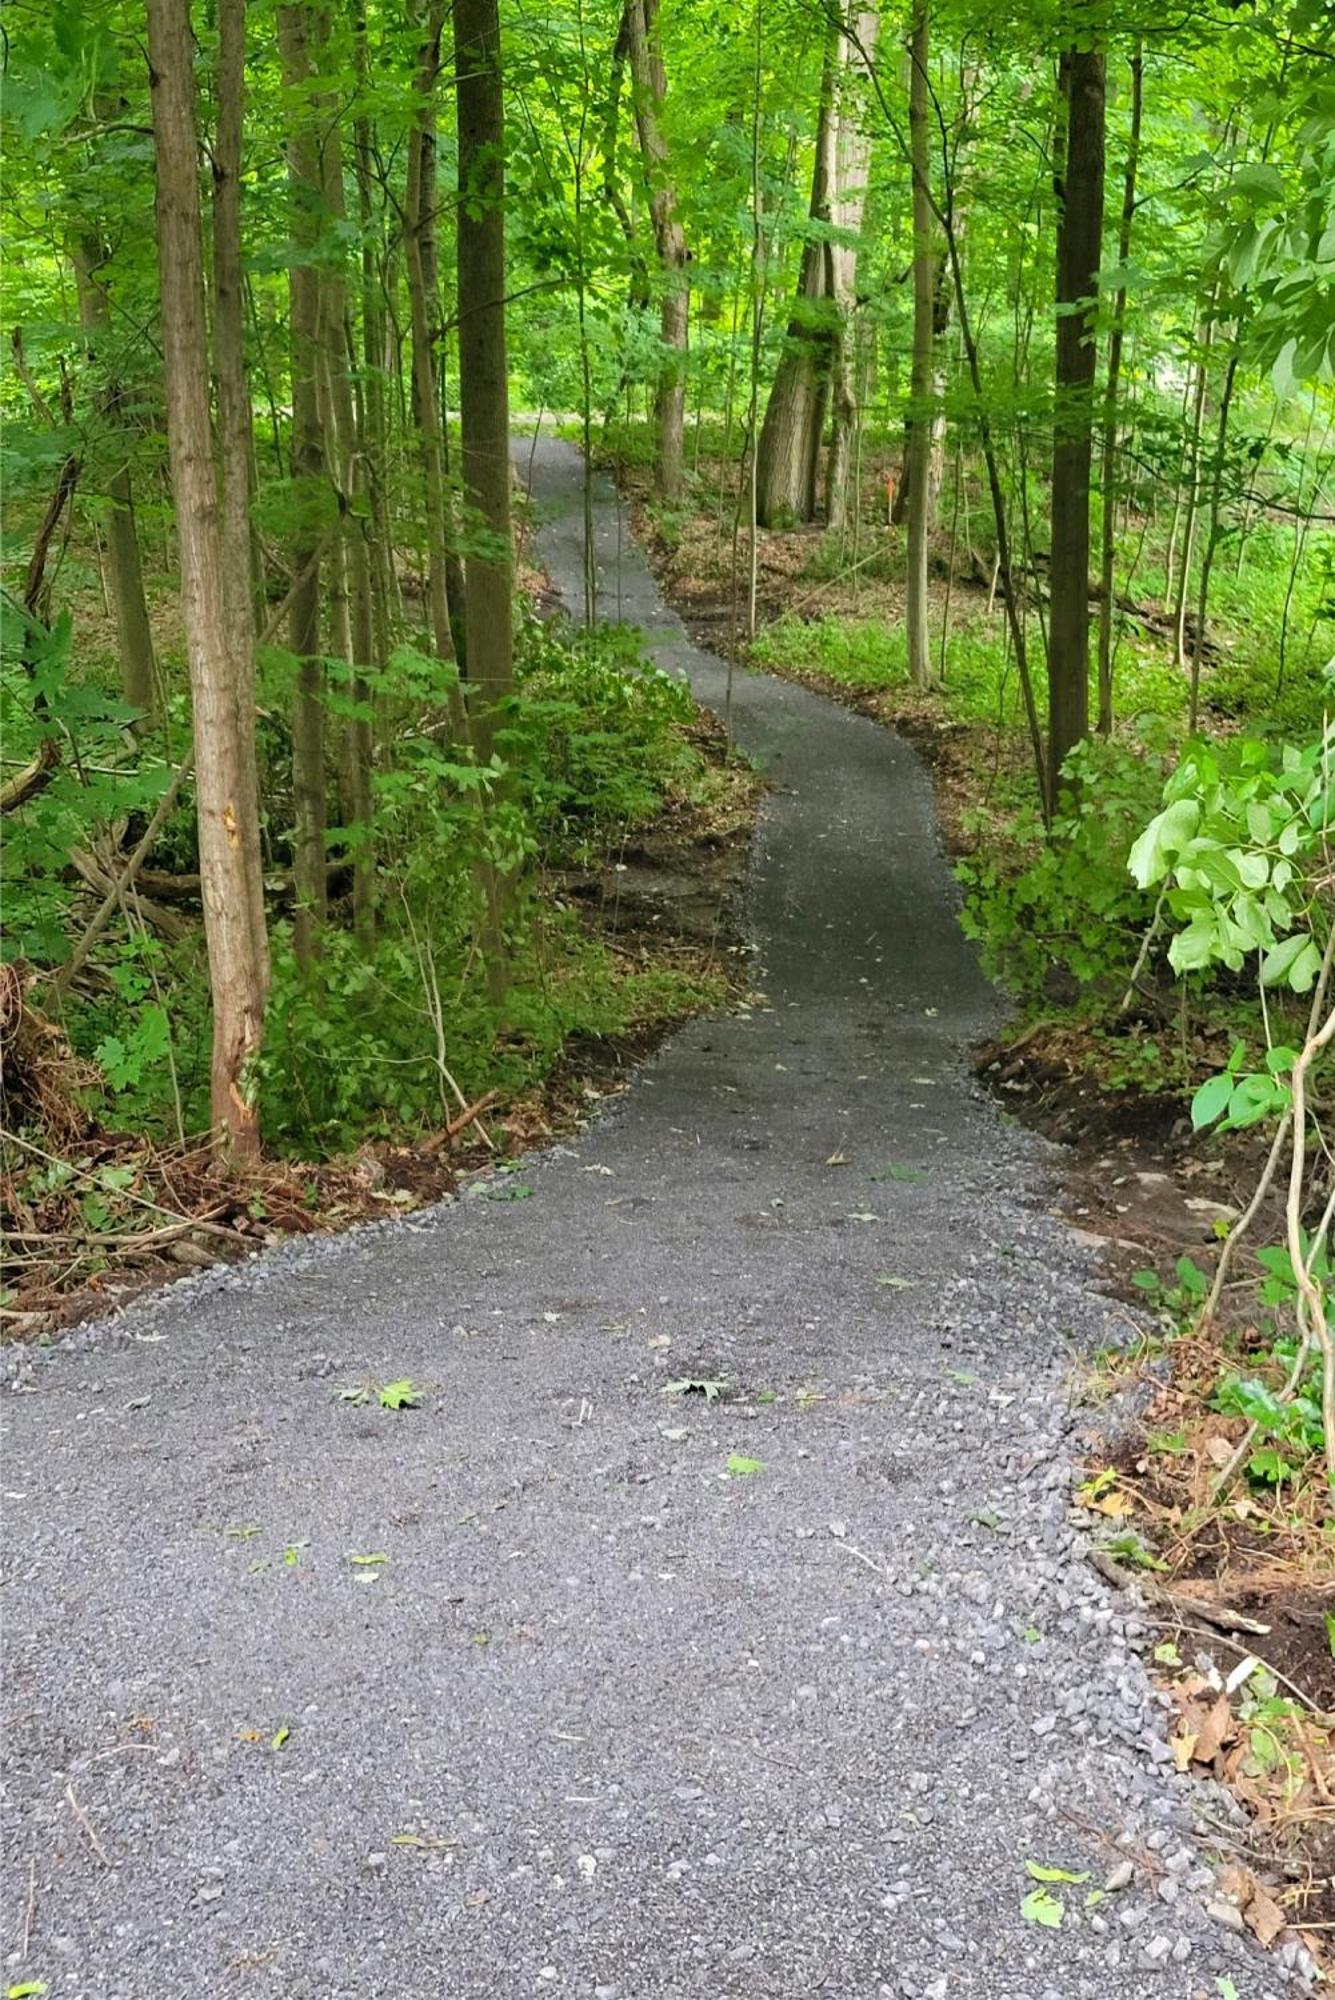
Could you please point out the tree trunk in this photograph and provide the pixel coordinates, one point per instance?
(236, 441)
(1198, 402)
(1108, 463)
(308, 473)
(484, 406)
(919, 445)
(483, 381)
(788, 455)
(426, 404)
(371, 428)
(1211, 537)
(125, 574)
(228, 829)
(351, 609)
(649, 86)
(848, 194)
(1079, 248)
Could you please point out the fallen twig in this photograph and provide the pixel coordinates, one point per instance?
(87, 1826)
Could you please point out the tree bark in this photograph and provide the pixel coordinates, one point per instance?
(236, 442)
(228, 830)
(1108, 460)
(125, 574)
(351, 609)
(1079, 249)
(1213, 532)
(484, 409)
(372, 436)
(295, 24)
(649, 88)
(483, 380)
(426, 404)
(788, 455)
(852, 160)
(919, 444)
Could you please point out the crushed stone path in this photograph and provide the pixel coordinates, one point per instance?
(603, 1718)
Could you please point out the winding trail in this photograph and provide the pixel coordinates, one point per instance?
(654, 1730)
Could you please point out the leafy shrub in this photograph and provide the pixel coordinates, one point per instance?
(1073, 908)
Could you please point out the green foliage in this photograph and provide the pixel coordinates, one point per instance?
(1288, 1433)
(1072, 909)
(1176, 1303)
(1240, 833)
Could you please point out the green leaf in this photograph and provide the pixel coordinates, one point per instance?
(1211, 1101)
(692, 1385)
(367, 1562)
(404, 1395)
(1039, 1873)
(743, 1468)
(1040, 1906)
(279, 1738)
(1162, 841)
(26, 1989)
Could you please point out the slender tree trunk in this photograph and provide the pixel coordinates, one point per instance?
(295, 25)
(228, 829)
(649, 85)
(236, 435)
(371, 425)
(352, 610)
(1108, 460)
(1193, 500)
(918, 452)
(125, 574)
(1079, 251)
(1211, 536)
(852, 159)
(483, 379)
(788, 455)
(426, 403)
(484, 405)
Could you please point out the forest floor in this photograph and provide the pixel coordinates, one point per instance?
(654, 1574)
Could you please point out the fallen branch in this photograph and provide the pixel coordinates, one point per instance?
(470, 1115)
(79, 956)
(126, 1194)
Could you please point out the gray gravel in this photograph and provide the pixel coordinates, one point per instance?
(653, 1729)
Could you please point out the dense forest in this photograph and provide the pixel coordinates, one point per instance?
(974, 363)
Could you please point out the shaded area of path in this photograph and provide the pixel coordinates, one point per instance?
(649, 1728)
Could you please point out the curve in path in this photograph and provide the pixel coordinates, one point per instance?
(603, 1718)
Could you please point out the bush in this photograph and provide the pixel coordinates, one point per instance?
(1073, 909)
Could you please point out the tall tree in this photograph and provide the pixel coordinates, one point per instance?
(296, 21)
(1108, 453)
(351, 609)
(484, 404)
(225, 789)
(236, 436)
(417, 231)
(919, 444)
(1079, 247)
(788, 454)
(125, 575)
(643, 42)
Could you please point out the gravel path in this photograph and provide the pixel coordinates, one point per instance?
(603, 1718)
